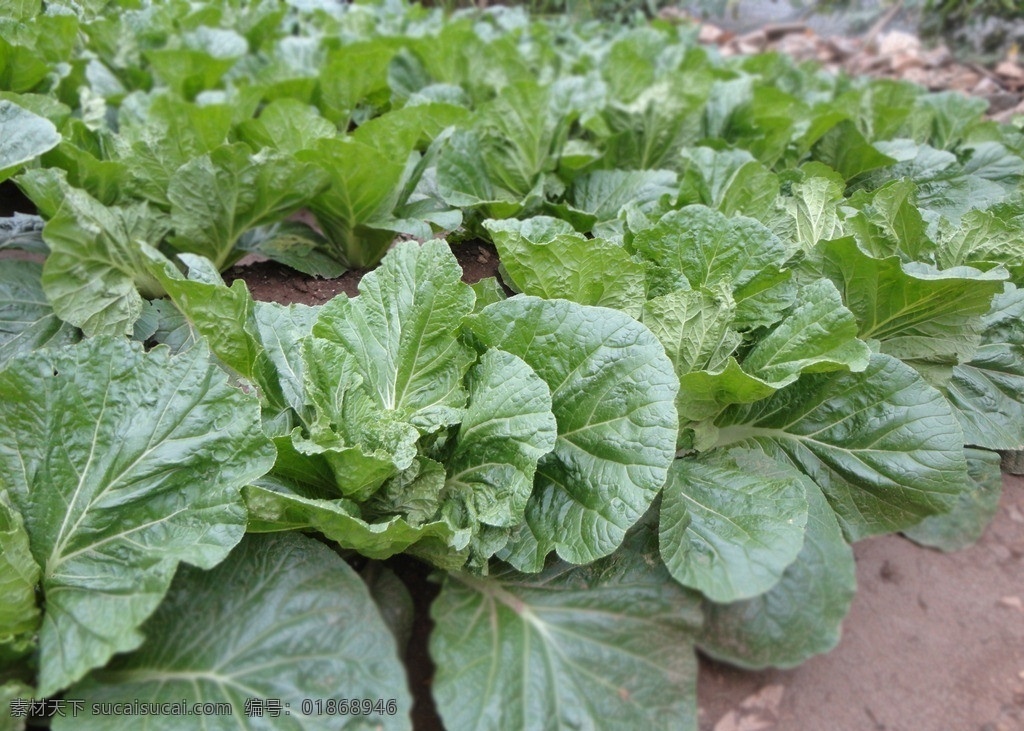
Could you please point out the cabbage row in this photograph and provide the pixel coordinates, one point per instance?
(758, 313)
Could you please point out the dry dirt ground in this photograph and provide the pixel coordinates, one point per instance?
(934, 642)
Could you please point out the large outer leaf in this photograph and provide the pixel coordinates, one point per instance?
(605, 646)
(801, 615)
(987, 394)
(23, 136)
(882, 444)
(96, 267)
(283, 617)
(730, 526)
(507, 427)
(400, 332)
(153, 451)
(612, 393)
(570, 266)
(965, 523)
(27, 321)
(917, 312)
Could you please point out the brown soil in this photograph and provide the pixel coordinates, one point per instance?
(934, 642)
(273, 282)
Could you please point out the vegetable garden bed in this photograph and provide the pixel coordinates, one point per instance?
(748, 314)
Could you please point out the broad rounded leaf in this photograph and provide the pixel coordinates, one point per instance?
(282, 618)
(23, 136)
(153, 451)
(508, 426)
(731, 525)
(798, 618)
(613, 395)
(605, 646)
(882, 444)
(400, 332)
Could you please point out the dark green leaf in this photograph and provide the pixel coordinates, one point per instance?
(731, 524)
(801, 616)
(605, 646)
(612, 393)
(965, 523)
(27, 321)
(284, 618)
(154, 451)
(881, 444)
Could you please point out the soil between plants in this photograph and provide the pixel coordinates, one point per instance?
(933, 642)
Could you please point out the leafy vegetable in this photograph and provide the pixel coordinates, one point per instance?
(798, 618)
(727, 268)
(729, 527)
(19, 574)
(154, 450)
(966, 522)
(400, 333)
(882, 445)
(987, 392)
(27, 321)
(217, 197)
(560, 263)
(612, 393)
(602, 646)
(24, 136)
(281, 618)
